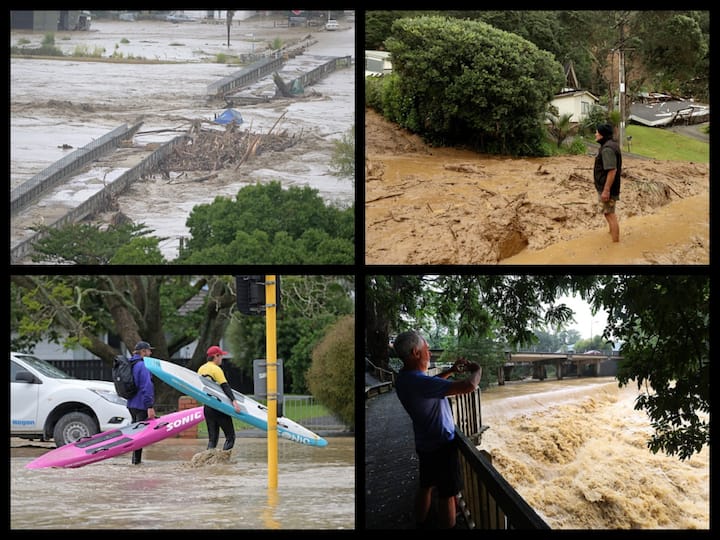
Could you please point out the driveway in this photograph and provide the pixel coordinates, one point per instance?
(696, 131)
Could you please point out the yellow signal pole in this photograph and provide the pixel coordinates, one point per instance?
(272, 393)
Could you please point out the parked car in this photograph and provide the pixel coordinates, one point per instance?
(177, 17)
(46, 403)
(128, 17)
(332, 24)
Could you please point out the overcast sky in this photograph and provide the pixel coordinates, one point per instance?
(584, 321)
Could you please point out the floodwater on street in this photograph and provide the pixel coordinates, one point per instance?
(57, 106)
(315, 489)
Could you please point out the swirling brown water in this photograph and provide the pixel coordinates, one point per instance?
(576, 451)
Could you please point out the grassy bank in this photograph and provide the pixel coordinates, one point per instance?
(662, 144)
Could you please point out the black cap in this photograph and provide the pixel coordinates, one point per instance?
(606, 130)
(143, 345)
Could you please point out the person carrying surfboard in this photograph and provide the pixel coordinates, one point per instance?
(141, 405)
(425, 400)
(215, 419)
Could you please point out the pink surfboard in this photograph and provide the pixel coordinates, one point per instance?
(118, 441)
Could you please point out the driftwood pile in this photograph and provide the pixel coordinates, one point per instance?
(214, 149)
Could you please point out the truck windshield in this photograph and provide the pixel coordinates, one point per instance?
(44, 367)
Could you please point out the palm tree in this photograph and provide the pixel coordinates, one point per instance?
(561, 128)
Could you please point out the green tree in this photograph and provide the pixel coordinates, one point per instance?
(558, 341)
(76, 310)
(560, 128)
(466, 82)
(331, 377)
(309, 305)
(267, 224)
(378, 26)
(664, 323)
(672, 46)
(88, 244)
(472, 304)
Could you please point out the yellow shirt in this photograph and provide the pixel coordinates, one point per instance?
(214, 371)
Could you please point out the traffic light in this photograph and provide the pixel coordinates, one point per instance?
(250, 294)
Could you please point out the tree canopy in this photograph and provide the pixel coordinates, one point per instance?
(667, 50)
(660, 322)
(266, 224)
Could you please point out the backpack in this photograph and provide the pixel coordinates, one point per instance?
(123, 377)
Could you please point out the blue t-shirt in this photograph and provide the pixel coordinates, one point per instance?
(424, 399)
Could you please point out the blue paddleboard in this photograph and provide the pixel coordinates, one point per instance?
(208, 392)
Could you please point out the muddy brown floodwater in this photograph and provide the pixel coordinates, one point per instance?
(315, 489)
(428, 205)
(576, 451)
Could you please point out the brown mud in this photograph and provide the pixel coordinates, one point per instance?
(427, 205)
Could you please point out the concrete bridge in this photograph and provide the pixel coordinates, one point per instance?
(601, 364)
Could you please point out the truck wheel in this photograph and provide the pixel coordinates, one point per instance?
(72, 427)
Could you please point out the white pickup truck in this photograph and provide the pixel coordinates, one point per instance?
(47, 403)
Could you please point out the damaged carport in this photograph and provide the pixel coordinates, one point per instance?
(665, 113)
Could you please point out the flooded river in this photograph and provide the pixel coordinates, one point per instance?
(576, 451)
(68, 103)
(315, 489)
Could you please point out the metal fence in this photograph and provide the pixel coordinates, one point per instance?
(95, 370)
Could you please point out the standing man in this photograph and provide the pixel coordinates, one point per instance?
(215, 419)
(606, 172)
(141, 405)
(425, 400)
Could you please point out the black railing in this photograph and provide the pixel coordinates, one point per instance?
(94, 369)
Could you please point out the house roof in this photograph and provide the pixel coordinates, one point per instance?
(566, 93)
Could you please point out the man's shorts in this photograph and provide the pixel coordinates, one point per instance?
(607, 207)
(441, 469)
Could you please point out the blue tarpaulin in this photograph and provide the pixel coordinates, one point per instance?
(228, 116)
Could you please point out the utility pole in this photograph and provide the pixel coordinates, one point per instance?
(621, 85)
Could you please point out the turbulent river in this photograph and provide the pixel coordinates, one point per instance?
(576, 451)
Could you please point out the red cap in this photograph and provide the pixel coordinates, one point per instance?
(212, 351)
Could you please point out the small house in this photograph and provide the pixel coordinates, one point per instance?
(578, 103)
(377, 63)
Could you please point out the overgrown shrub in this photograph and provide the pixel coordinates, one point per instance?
(461, 82)
(331, 377)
